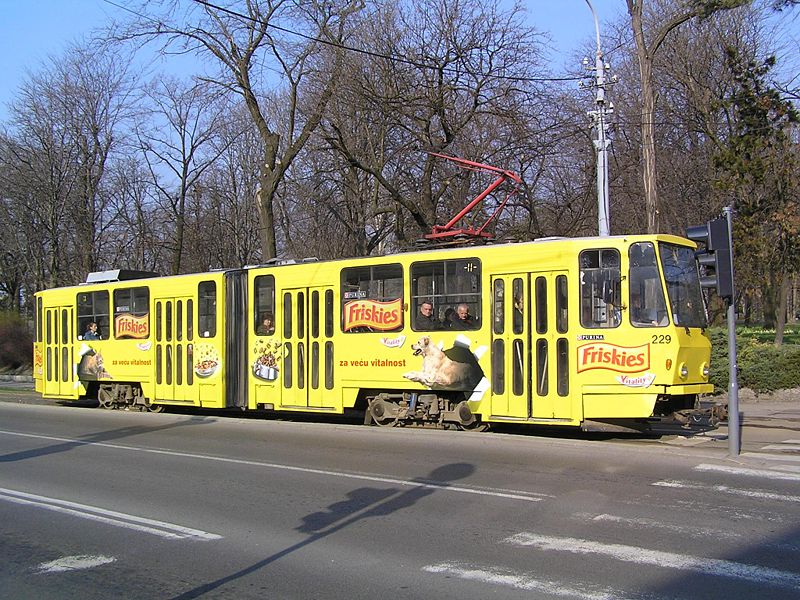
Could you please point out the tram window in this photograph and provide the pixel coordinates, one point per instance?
(315, 365)
(498, 366)
(314, 314)
(93, 307)
(287, 314)
(541, 305)
(189, 364)
(189, 320)
(562, 304)
(328, 313)
(498, 316)
(132, 313)
(600, 288)
(448, 284)
(517, 380)
(372, 298)
(518, 292)
(287, 365)
(329, 365)
(168, 323)
(179, 320)
(207, 308)
(542, 383)
(39, 322)
(264, 304)
(647, 305)
(562, 367)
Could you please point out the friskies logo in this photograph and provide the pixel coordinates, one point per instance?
(622, 359)
(380, 316)
(131, 326)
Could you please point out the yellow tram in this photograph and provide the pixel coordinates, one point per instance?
(601, 333)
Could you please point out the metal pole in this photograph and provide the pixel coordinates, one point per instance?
(734, 441)
(602, 142)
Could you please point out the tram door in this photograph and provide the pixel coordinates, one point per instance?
(530, 346)
(58, 372)
(308, 346)
(174, 361)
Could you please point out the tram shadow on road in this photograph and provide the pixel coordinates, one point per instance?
(360, 504)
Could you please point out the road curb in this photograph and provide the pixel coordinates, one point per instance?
(18, 378)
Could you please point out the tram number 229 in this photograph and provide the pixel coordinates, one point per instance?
(661, 339)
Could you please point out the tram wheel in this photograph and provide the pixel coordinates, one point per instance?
(154, 408)
(105, 397)
(475, 426)
(383, 414)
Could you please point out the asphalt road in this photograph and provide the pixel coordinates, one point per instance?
(100, 504)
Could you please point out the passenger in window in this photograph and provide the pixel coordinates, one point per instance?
(91, 332)
(463, 320)
(426, 320)
(267, 326)
(518, 316)
(449, 316)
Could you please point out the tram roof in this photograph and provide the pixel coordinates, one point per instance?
(131, 276)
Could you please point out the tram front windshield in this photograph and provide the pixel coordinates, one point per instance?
(683, 285)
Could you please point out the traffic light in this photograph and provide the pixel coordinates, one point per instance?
(715, 255)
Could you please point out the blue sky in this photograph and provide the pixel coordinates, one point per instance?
(32, 30)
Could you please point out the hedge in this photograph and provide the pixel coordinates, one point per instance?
(763, 367)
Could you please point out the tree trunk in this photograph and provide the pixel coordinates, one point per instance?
(649, 174)
(780, 321)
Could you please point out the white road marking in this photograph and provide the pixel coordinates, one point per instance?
(74, 563)
(520, 581)
(768, 474)
(696, 532)
(788, 468)
(768, 456)
(761, 495)
(84, 511)
(672, 527)
(446, 487)
(782, 446)
(657, 558)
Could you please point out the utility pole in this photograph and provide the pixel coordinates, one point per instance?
(600, 117)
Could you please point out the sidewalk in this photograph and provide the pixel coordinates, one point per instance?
(782, 404)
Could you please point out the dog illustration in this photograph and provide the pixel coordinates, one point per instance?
(454, 369)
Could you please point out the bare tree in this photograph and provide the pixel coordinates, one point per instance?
(65, 121)
(647, 46)
(176, 146)
(225, 229)
(251, 47)
(451, 77)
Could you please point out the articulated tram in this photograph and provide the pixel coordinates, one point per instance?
(603, 334)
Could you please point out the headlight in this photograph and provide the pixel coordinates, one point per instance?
(684, 371)
(705, 370)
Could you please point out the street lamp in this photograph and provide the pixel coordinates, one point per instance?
(601, 144)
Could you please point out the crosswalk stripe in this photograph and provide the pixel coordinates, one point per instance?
(520, 581)
(657, 558)
(767, 474)
(690, 485)
(768, 456)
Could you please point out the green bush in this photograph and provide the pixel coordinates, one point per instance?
(762, 366)
(16, 342)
